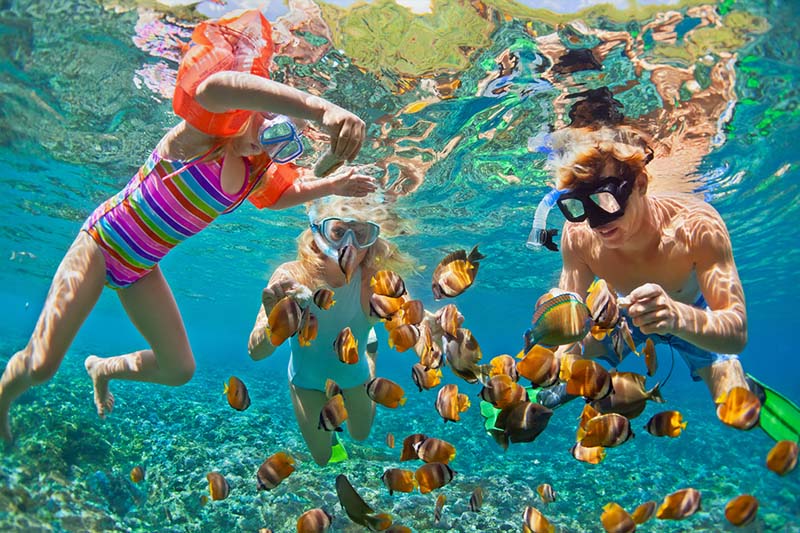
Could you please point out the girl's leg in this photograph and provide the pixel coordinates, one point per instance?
(360, 412)
(153, 310)
(308, 404)
(75, 289)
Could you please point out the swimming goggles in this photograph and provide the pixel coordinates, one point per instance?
(600, 202)
(339, 232)
(280, 139)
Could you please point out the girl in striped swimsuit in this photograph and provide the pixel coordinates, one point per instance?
(173, 196)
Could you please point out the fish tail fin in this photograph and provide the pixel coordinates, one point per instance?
(655, 394)
(475, 255)
(403, 400)
(225, 387)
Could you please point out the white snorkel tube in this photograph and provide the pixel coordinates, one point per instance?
(541, 237)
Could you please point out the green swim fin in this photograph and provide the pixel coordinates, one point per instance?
(338, 453)
(780, 417)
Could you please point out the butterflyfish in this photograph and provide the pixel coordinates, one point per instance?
(333, 414)
(403, 337)
(438, 507)
(432, 476)
(398, 480)
(650, 360)
(309, 327)
(504, 364)
(348, 261)
(449, 319)
(501, 391)
(666, 424)
(236, 392)
(588, 379)
(284, 320)
(450, 404)
(314, 521)
(425, 379)
(592, 456)
(346, 347)
(409, 450)
(323, 298)
(739, 408)
(607, 431)
(217, 486)
(390, 439)
(386, 392)
(741, 510)
(546, 492)
(630, 396)
(433, 450)
(357, 509)
(644, 512)
(679, 505)
(540, 365)
(388, 283)
(782, 458)
(137, 474)
(413, 312)
(275, 469)
(455, 273)
(384, 307)
(603, 308)
(476, 500)
(534, 522)
(615, 519)
(331, 388)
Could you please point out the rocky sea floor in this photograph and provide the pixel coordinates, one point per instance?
(69, 470)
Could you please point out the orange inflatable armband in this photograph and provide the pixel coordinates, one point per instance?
(278, 178)
(240, 42)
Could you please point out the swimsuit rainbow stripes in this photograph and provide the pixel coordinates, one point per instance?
(165, 203)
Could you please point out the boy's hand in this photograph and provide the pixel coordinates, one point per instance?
(346, 131)
(651, 309)
(349, 183)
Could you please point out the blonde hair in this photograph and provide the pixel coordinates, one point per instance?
(581, 154)
(381, 255)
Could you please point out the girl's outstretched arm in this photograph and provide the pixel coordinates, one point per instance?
(307, 188)
(282, 283)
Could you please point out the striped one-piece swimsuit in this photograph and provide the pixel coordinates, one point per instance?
(165, 203)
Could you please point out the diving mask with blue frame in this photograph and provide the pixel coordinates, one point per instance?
(332, 234)
(280, 139)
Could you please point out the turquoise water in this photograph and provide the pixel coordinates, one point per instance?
(80, 109)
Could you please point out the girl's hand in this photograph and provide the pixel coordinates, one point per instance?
(351, 184)
(272, 294)
(651, 309)
(346, 131)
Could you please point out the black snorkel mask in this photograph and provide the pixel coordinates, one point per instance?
(601, 202)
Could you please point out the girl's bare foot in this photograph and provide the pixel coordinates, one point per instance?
(103, 399)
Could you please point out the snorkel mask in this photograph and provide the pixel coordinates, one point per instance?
(332, 234)
(600, 202)
(280, 139)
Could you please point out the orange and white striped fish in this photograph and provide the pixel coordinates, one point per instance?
(540, 365)
(284, 320)
(741, 510)
(217, 486)
(615, 519)
(346, 347)
(679, 505)
(314, 521)
(433, 450)
(782, 458)
(388, 283)
(644, 512)
(425, 379)
(275, 469)
(398, 480)
(432, 476)
(476, 500)
(666, 424)
(739, 408)
(546, 492)
(450, 404)
(386, 392)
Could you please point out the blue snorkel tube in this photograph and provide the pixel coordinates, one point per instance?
(540, 236)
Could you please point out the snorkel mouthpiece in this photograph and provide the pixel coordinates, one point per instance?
(541, 237)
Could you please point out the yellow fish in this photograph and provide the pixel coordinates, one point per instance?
(346, 347)
(739, 408)
(615, 519)
(741, 510)
(455, 273)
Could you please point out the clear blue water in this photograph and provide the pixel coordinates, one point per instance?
(74, 125)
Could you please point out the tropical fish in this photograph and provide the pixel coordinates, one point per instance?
(403, 337)
(607, 431)
(546, 492)
(413, 312)
(437, 509)
(323, 298)
(540, 365)
(615, 519)
(137, 474)
(395, 528)
(739, 408)
(386, 392)
(390, 439)
(384, 307)
(666, 424)
(388, 283)
(650, 359)
(503, 364)
(782, 458)
(398, 480)
(425, 379)
(741, 510)
(592, 456)
(309, 327)
(679, 505)
(357, 509)
(275, 469)
(644, 512)
(450, 404)
(314, 521)
(449, 319)
(433, 450)
(331, 388)
(559, 320)
(333, 414)
(622, 337)
(429, 353)
(522, 422)
(476, 500)
(602, 303)
(534, 522)
(217, 486)
(431, 476)
(284, 320)
(348, 261)
(346, 347)
(588, 379)
(630, 397)
(236, 392)
(501, 391)
(455, 273)
(463, 353)
(587, 414)
(409, 450)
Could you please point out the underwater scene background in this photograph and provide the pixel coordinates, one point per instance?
(457, 96)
